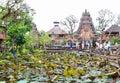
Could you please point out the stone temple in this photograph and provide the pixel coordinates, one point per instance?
(86, 30)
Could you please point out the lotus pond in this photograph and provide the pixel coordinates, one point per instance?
(68, 67)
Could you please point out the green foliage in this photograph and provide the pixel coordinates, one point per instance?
(76, 35)
(36, 40)
(37, 51)
(8, 55)
(32, 40)
(20, 40)
(18, 55)
(0, 54)
(17, 31)
(61, 67)
(44, 39)
(2, 29)
(63, 42)
(115, 39)
(29, 40)
(25, 51)
(16, 16)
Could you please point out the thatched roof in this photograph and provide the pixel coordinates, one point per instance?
(113, 28)
(56, 30)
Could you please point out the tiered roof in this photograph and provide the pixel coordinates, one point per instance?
(86, 21)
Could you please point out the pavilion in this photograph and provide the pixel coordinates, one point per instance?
(57, 34)
(113, 30)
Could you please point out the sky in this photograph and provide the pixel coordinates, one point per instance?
(48, 11)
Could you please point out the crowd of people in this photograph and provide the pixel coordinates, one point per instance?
(95, 44)
(103, 45)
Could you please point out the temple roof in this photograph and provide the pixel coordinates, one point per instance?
(113, 28)
(56, 30)
(85, 20)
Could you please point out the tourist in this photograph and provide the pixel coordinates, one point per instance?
(77, 45)
(94, 43)
(103, 38)
(87, 45)
(83, 45)
(80, 45)
(107, 46)
(97, 45)
(71, 44)
(104, 44)
(101, 45)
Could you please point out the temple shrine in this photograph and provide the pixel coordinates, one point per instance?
(86, 29)
(57, 34)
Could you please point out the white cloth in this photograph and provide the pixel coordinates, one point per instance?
(101, 46)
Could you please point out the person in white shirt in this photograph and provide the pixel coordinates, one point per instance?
(101, 45)
(97, 45)
(107, 46)
(83, 45)
(104, 45)
(77, 45)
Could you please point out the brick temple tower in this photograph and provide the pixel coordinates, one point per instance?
(86, 29)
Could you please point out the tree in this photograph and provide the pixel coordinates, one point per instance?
(30, 41)
(16, 16)
(13, 11)
(104, 19)
(70, 23)
(44, 39)
(39, 38)
(118, 20)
